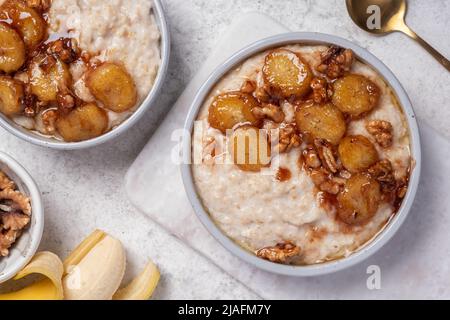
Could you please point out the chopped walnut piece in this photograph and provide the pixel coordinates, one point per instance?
(340, 181)
(325, 182)
(18, 199)
(382, 171)
(335, 62)
(14, 220)
(47, 63)
(401, 192)
(262, 95)
(331, 187)
(288, 139)
(65, 49)
(382, 132)
(326, 154)
(311, 158)
(248, 86)
(281, 253)
(318, 176)
(7, 239)
(402, 187)
(6, 182)
(66, 101)
(49, 120)
(270, 111)
(345, 174)
(322, 92)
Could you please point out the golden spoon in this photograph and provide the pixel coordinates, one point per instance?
(386, 16)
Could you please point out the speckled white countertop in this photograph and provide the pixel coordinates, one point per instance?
(83, 190)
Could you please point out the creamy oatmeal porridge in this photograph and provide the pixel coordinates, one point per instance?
(301, 154)
(79, 68)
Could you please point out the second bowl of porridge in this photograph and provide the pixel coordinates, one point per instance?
(305, 154)
(76, 74)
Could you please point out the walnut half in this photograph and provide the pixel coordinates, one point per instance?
(270, 111)
(382, 132)
(326, 155)
(382, 171)
(288, 139)
(335, 62)
(322, 91)
(281, 253)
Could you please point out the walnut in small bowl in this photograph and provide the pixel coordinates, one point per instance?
(21, 217)
(15, 213)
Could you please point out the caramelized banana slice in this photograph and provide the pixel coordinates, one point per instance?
(355, 94)
(26, 20)
(360, 199)
(113, 86)
(250, 148)
(357, 153)
(84, 123)
(12, 53)
(232, 108)
(48, 75)
(11, 95)
(286, 74)
(323, 121)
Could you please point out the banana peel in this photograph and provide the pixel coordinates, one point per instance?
(48, 265)
(93, 271)
(142, 287)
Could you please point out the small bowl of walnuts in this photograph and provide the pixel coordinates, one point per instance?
(21, 217)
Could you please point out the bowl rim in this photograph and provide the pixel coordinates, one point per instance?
(36, 229)
(384, 235)
(34, 138)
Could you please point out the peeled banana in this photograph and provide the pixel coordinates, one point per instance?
(93, 271)
(99, 273)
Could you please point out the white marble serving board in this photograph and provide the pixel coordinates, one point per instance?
(414, 264)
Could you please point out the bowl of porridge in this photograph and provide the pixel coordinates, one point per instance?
(21, 217)
(75, 74)
(304, 154)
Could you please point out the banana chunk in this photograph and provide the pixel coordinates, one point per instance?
(322, 121)
(26, 20)
(357, 153)
(48, 75)
(112, 85)
(232, 108)
(251, 149)
(360, 200)
(83, 123)
(12, 53)
(286, 74)
(355, 94)
(11, 96)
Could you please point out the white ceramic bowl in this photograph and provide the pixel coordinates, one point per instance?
(391, 228)
(26, 246)
(40, 140)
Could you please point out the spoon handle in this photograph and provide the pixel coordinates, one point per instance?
(439, 57)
